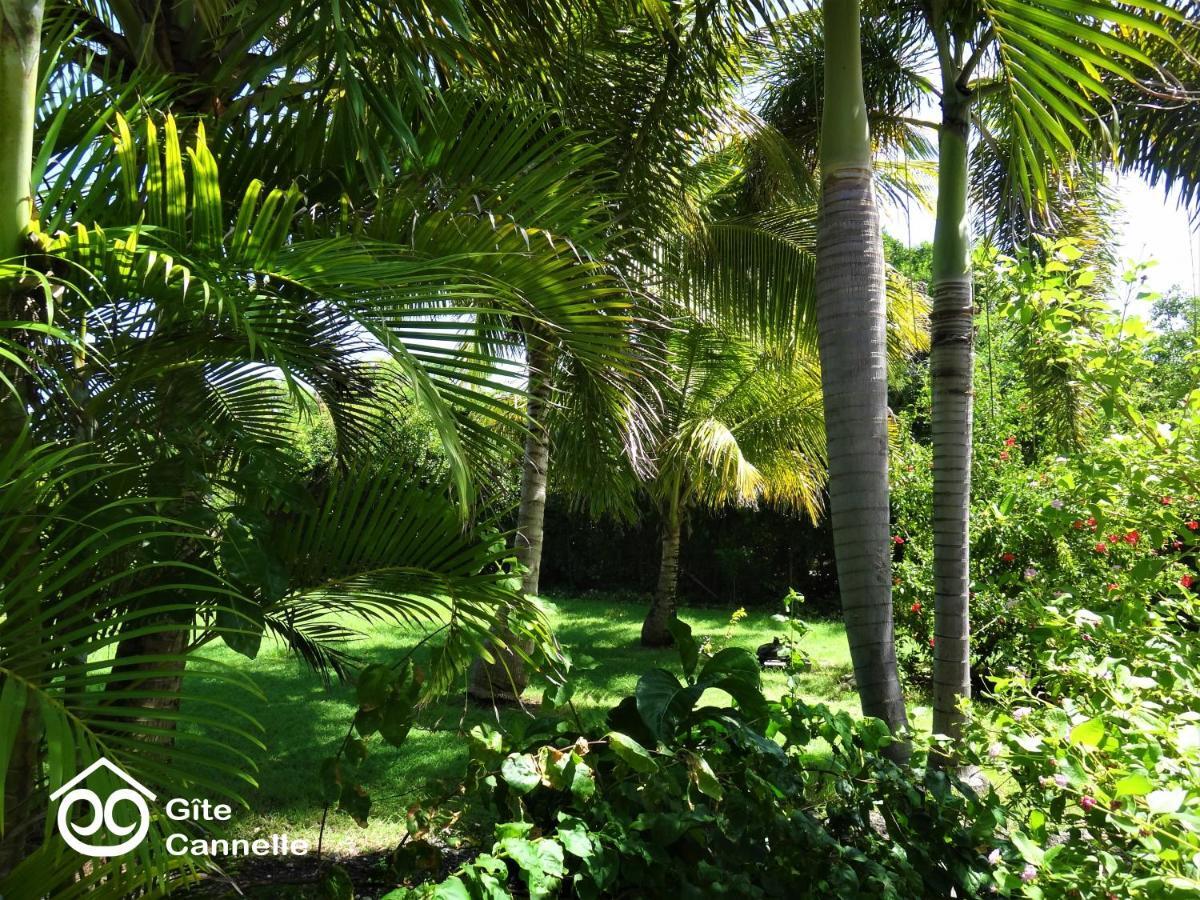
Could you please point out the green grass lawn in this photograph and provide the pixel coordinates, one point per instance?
(304, 720)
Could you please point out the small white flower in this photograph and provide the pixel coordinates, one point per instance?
(1028, 873)
(1021, 712)
(1057, 504)
(1030, 573)
(996, 750)
(1061, 780)
(994, 857)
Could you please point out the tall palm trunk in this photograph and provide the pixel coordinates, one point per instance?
(655, 630)
(507, 677)
(851, 323)
(20, 39)
(950, 366)
(20, 43)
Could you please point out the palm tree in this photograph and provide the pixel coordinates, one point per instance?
(851, 333)
(757, 261)
(741, 426)
(1031, 79)
(1029, 70)
(253, 311)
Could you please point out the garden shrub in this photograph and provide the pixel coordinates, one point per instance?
(699, 787)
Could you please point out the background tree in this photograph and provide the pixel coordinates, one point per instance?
(740, 426)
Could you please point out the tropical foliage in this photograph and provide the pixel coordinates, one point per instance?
(306, 309)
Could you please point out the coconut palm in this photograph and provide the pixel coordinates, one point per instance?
(741, 426)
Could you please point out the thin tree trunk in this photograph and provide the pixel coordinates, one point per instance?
(851, 334)
(950, 366)
(655, 630)
(20, 39)
(507, 677)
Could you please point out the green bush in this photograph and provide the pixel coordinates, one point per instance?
(699, 787)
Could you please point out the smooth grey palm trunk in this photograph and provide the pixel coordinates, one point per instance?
(506, 677)
(951, 362)
(852, 339)
(656, 630)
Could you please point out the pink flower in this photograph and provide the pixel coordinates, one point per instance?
(1132, 537)
(1010, 441)
(1030, 573)
(1187, 581)
(1114, 539)
(1165, 501)
(1177, 544)
(916, 607)
(1056, 504)
(1004, 454)
(1114, 586)
(1028, 873)
(931, 642)
(897, 540)
(1101, 547)
(1008, 557)
(1087, 802)
(1193, 524)
(1092, 522)
(1061, 780)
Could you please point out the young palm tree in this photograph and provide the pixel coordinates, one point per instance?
(741, 427)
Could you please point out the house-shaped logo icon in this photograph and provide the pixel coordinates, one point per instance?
(76, 791)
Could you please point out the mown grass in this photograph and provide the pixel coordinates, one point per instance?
(304, 720)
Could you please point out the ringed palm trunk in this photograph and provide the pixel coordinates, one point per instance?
(20, 39)
(851, 336)
(950, 365)
(655, 628)
(507, 677)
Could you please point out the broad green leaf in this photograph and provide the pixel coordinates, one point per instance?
(1135, 785)
(1087, 734)
(520, 772)
(631, 752)
(1029, 850)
